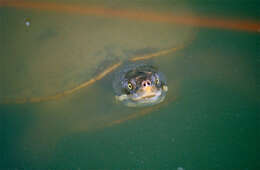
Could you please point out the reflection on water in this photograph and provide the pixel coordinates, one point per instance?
(211, 87)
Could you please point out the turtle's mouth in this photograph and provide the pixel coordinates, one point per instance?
(147, 94)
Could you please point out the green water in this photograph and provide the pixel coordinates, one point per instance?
(210, 119)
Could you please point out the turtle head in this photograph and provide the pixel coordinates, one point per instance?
(142, 86)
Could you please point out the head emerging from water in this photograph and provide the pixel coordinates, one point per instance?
(140, 85)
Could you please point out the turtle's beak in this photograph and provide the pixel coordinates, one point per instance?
(147, 92)
(148, 89)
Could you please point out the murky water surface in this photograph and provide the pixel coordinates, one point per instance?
(208, 120)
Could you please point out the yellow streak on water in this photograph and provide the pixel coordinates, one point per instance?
(163, 52)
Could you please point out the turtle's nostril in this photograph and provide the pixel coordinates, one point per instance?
(146, 83)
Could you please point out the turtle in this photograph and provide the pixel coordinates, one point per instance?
(59, 55)
(140, 85)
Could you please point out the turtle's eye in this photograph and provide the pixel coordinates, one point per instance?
(157, 81)
(130, 86)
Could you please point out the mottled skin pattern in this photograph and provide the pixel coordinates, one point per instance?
(140, 85)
